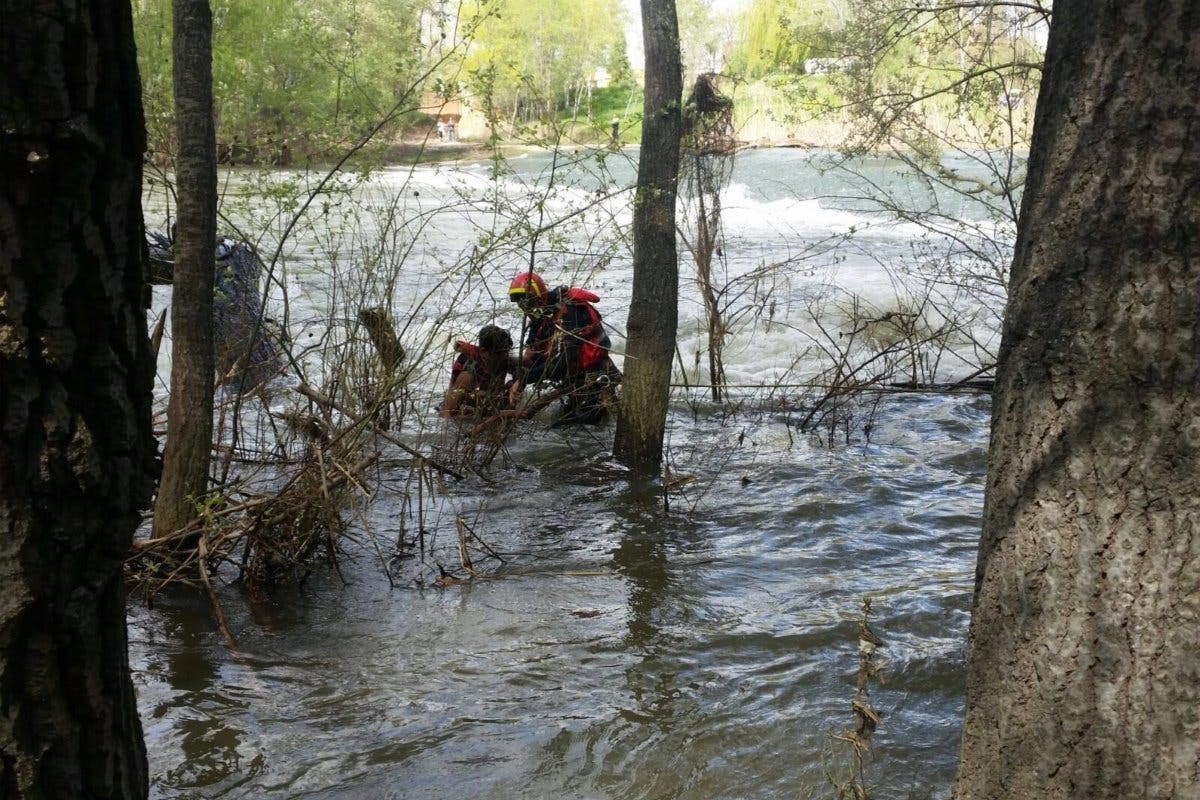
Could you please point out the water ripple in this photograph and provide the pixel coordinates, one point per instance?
(707, 654)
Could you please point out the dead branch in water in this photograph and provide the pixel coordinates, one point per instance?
(510, 416)
(275, 532)
(706, 165)
(382, 332)
(866, 717)
(328, 402)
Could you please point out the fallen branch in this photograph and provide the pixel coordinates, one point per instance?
(329, 402)
(202, 563)
(382, 333)
(527, 411)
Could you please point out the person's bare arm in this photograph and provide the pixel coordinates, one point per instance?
(452, 405)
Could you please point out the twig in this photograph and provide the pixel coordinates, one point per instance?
(212, 596)
(329, 402)
(464, 557)
(525, 412)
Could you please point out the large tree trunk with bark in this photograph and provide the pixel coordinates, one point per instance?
(1084, 670)
(76, 447)
(653, 312)
(189, 412)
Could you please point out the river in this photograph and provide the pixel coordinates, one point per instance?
(618, 651)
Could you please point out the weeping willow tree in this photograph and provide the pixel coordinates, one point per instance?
(779, 35)
(706, 164)
(534, 58)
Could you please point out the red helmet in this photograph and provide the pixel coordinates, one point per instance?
(528, 285)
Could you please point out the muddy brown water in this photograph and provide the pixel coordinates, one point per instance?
(620, 652)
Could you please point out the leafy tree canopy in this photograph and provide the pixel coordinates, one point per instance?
(326, 68)
(533, 56)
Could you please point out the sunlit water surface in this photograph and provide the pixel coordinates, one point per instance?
(620, 651)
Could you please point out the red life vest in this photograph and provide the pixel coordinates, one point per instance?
(595, 342)
(467, 353)
(472, 355)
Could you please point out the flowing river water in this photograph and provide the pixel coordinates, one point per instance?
(619, 651)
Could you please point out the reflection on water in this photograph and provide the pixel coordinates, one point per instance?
(191, 705)
(619, 652)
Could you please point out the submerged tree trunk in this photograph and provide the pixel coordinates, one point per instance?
(76, 448)
(189, 414)
(653, 312)
(707, 164)
(707, 224)
(1083, 677)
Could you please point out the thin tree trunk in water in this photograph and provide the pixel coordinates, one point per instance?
(707, 224)
(76, 448)
(189, 414)
(653, 312)
(1084, 675)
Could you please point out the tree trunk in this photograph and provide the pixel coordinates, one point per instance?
(653, 312)
(76, 448)
(708, 222)
(189, 414)
(1083, 676)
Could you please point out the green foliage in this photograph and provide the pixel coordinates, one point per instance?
(295, 80)
(533, 57)
(930, 77)
(779, 35)
(623, 103)
(703, 36)
(616, 61)
(287, 76)
(616, 101)
(792, 100)
(921, 77)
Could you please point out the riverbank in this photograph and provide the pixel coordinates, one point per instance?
(764, 117)
(759, 128)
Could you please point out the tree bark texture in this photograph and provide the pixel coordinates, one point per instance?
(189, 412)
(1084, 668)
(76, 447)
(653, 312)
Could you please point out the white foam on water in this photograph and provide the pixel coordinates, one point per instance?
(743, 213)
(444, 223)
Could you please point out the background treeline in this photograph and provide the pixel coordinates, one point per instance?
(535, 59)
(289, 77)
(296, 79)
(304, 79)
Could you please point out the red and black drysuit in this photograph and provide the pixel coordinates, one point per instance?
(567, 344)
